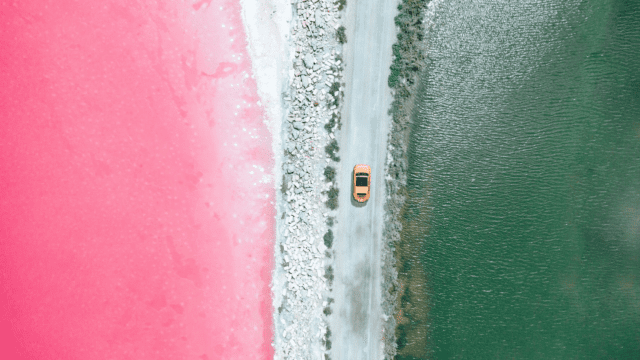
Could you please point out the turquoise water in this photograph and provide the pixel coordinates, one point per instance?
(525, 153)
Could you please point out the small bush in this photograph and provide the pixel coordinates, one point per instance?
(330, 173)
(331, 123)
(334, 87)
(329, 275)
(334, 91)
(283, 188)
(341, 4)
(328, 238)
(328, 344)
(394, 75)
(333, 192)
(327, 311)
(332, 202)
(341, 35)
(331, 149)
(330, 221)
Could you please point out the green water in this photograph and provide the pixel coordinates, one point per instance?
(525, 157)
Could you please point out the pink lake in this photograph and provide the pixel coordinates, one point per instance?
(136, 191)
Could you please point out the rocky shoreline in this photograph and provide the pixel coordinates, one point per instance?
(409, 62)
(303, 272)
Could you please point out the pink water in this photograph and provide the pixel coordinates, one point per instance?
(136, 212)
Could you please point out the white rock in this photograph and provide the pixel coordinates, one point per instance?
(309, 60)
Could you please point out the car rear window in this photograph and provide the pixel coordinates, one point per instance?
(361, 181)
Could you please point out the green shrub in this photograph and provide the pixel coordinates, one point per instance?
(331, 150)
(332, 202)
(330, 221)
(332, 122)
(328, 238)
(327, 311)
(334, 87)
(328, 274)
(396, 50)
(341, 35)
(334, 91)
(395, 74)
(330, 173)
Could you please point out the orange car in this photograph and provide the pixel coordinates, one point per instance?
(361, 182)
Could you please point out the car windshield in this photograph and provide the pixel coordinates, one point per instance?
(361, 181)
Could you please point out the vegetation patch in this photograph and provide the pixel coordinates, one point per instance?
(332, 201)
(331, 123)
(330, 221)
(283, 188)
(335, 87)
(341, 35)
(328, 239)
(328, 274)
(408, 54)
(331, 149)
(330, 173)
(335, 92)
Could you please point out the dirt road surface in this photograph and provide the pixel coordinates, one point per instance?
(356, 323)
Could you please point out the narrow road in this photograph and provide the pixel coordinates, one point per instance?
(356, 323)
